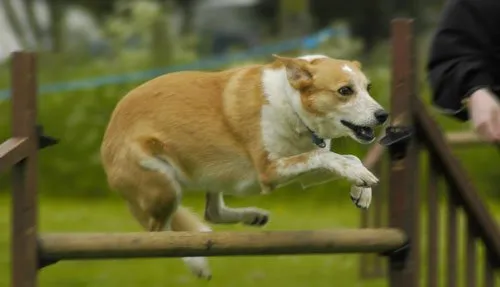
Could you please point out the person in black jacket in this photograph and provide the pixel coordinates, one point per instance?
(464, 64)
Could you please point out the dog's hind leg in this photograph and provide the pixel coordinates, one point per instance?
(217, 212)
(153, 194)
(184, 220)
(157, 213)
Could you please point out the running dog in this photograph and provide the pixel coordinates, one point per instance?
(238, 131)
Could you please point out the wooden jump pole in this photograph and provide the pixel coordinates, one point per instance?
(180, 244)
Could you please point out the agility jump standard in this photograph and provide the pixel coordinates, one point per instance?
(32, 251)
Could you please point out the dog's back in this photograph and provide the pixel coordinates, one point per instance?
(186, 118)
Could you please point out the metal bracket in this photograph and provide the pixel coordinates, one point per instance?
(397, 139)
(44, 140)
(44, 262)
(398, 257)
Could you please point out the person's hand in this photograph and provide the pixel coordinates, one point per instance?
(484, 110)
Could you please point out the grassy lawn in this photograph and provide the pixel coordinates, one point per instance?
(314, 211)
(111, 215)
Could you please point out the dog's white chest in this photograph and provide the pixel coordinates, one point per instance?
(280, 138)
(236, 176)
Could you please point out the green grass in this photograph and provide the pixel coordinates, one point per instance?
(70, 215)
(313, 211)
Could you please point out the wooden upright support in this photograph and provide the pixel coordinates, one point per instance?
(24, 172)
(403, 177)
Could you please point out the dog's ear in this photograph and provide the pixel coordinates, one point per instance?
(297, 70)
(357, 64)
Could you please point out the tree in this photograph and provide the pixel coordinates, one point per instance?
(15, 23)
(56, 8)
(32, 22)
(187, 7)
(161, 47)
(294, 17)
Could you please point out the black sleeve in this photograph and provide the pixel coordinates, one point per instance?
(460, 53)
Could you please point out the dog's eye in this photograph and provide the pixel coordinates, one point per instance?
(346, 91)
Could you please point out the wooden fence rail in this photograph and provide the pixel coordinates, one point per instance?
(441, 256)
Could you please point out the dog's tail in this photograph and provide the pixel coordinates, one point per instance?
(185, 220)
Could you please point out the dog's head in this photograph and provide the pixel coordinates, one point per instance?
(332, 97)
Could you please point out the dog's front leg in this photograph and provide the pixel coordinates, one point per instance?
(284, 169)
(361, 196)
(217, 212)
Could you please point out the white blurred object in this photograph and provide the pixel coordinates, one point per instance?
(8, 40)
(230, 16)
(80, 28)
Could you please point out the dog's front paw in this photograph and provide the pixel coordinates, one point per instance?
(361, 196)
(359, 175)
(254, 216)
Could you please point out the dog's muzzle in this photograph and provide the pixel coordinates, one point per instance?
(363, 133)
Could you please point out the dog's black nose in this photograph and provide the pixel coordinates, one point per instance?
(381, 116)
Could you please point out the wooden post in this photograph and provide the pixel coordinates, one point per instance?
(24, 173)
(403, 192)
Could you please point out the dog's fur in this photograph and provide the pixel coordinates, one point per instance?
(239, 131)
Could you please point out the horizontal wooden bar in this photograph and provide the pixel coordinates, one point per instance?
(463, 138)
(181, 244)
(12, 151)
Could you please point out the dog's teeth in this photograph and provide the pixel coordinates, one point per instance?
(366, 131)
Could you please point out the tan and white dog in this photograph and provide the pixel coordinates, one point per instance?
(238, 131)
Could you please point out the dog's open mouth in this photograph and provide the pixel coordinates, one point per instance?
(363, 133)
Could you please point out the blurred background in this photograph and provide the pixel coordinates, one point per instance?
(92, 52)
